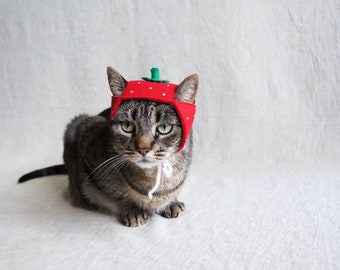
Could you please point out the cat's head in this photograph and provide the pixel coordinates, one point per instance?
(145, 131)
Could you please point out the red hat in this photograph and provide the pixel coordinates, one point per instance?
(159, 91)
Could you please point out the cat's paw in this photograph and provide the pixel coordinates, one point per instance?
(173, 210)
(134, 218)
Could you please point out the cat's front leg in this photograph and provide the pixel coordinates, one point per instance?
(134, 217)
(173, 210)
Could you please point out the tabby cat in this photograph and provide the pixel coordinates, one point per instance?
(129, 165)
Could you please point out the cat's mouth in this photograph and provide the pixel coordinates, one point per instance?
(148, 161)
(145, 162)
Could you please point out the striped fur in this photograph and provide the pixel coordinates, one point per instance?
(113, 163)
(104, 171)
(113, 169)
(53, 170)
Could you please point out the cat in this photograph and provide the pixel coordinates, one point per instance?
(128, 165)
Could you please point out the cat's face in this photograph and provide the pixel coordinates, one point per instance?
(146, 132)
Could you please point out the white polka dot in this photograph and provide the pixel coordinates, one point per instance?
(187, 118)
(150, 88)
(132, 91)
(163, 94)
(168, 85)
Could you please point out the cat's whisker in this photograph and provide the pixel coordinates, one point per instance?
(100, 166)
(117, 167)
(101, 170)
(111, 170)
(104, 164)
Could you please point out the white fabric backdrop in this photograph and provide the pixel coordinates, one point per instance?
(264, 189)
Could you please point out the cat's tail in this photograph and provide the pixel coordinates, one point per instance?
(53, 170)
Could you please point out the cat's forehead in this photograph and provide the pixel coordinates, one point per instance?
(145, 109)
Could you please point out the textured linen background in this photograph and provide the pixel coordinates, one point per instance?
(264, 189)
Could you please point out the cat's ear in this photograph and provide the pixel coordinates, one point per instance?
(116, 81)
(187, 90)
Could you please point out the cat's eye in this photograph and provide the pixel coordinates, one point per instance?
(164, 129)
(127, 126)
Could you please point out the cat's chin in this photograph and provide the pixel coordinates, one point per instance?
(146, 164)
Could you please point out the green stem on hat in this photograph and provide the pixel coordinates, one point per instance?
(154, 76)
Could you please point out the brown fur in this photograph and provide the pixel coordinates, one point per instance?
(104, 167)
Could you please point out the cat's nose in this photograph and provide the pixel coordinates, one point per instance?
(144, 151)
(144, 145)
